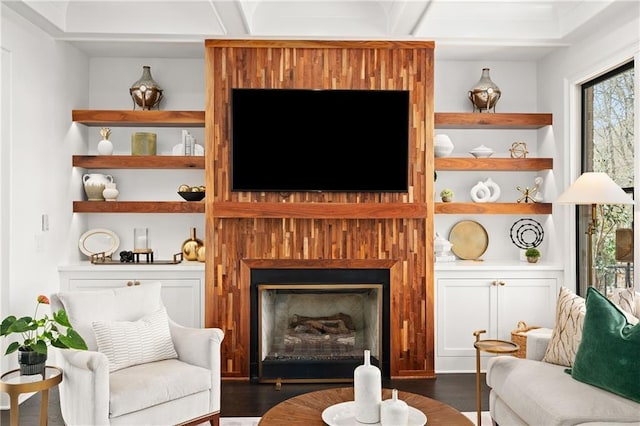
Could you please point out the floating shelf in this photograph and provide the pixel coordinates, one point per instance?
(138, 162)
(479, 120)
(494, 164)
(138, 207)
(493, 208)
(139, 118)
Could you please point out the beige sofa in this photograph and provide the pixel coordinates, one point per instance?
(533, 392)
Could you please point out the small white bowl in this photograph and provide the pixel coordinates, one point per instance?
(481, 152)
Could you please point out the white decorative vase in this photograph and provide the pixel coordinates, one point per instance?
(367, 390)
(105, 147)
(494, 189)
(485, 192)
(394, 412)
(110, 192)
(442, 145)
(94, 184)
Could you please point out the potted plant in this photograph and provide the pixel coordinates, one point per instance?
(532, 254)
(446, 195)
(37, 334)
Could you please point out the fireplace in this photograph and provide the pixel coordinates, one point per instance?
(313, 325)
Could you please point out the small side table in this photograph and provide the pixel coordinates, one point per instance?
(494, 347)
(14, 384)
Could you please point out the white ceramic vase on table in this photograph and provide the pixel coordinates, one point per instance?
(367, 390)
(394, 411)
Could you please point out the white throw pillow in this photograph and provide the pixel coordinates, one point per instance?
(624, 298)
(127, 343)
(114, 304)
(567, 332)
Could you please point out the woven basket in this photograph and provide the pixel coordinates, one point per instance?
(519, 337)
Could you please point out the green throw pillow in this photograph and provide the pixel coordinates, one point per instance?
(609, 354)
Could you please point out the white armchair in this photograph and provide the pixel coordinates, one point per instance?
(136, 377)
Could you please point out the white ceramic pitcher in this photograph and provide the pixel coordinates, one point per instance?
(94, 184)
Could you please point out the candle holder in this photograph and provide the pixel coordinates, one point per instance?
(141, 245)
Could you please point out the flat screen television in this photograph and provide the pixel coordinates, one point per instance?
(299, 140)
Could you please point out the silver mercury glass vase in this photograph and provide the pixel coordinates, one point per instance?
(485, 94)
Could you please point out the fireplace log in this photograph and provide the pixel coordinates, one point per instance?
(346, 320)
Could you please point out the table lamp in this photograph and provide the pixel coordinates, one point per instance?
(593, 188)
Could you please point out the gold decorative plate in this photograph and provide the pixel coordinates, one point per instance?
(469, 240)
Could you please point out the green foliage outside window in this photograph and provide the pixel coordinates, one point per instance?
(609, 148)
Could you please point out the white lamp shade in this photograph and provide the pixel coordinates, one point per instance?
(594, 188)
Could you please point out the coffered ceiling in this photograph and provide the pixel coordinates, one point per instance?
(462, 29)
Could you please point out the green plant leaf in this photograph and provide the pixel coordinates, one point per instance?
(22, 325)
(12, 348)
(40, 346)
(6, 325)
(61, 318)
(73, 340)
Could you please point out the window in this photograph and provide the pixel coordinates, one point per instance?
(608, 146)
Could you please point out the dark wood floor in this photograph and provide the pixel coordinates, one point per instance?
(243, 399)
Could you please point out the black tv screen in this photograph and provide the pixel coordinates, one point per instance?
(296, 140)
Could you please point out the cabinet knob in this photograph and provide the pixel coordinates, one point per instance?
(501, 282)
(138, 283)
(129, 283)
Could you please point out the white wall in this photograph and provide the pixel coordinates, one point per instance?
(182, 82)
(517, 81)
(559, 77)
(43, 81)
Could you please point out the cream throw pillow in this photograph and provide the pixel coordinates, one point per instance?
(625, 299)
(567, 333)
(127, 343)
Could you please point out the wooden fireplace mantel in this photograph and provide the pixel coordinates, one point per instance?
(394, 231)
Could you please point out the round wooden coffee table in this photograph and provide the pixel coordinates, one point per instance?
(306, 409)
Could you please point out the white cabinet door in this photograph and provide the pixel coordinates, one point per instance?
(464, 306)
(182, 290)
(491, 300)
(529, 300)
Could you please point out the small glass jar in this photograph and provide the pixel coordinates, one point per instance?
(140, 240)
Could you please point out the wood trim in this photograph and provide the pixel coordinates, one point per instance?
(318, 263)
(493, 208)
(318, 226)
(320, 44)
(123, 118)
(138, 207)
(319, 210)
(138, 162)
(466, 120)
(494, 164)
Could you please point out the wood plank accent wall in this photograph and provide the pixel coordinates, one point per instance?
(249, 228)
